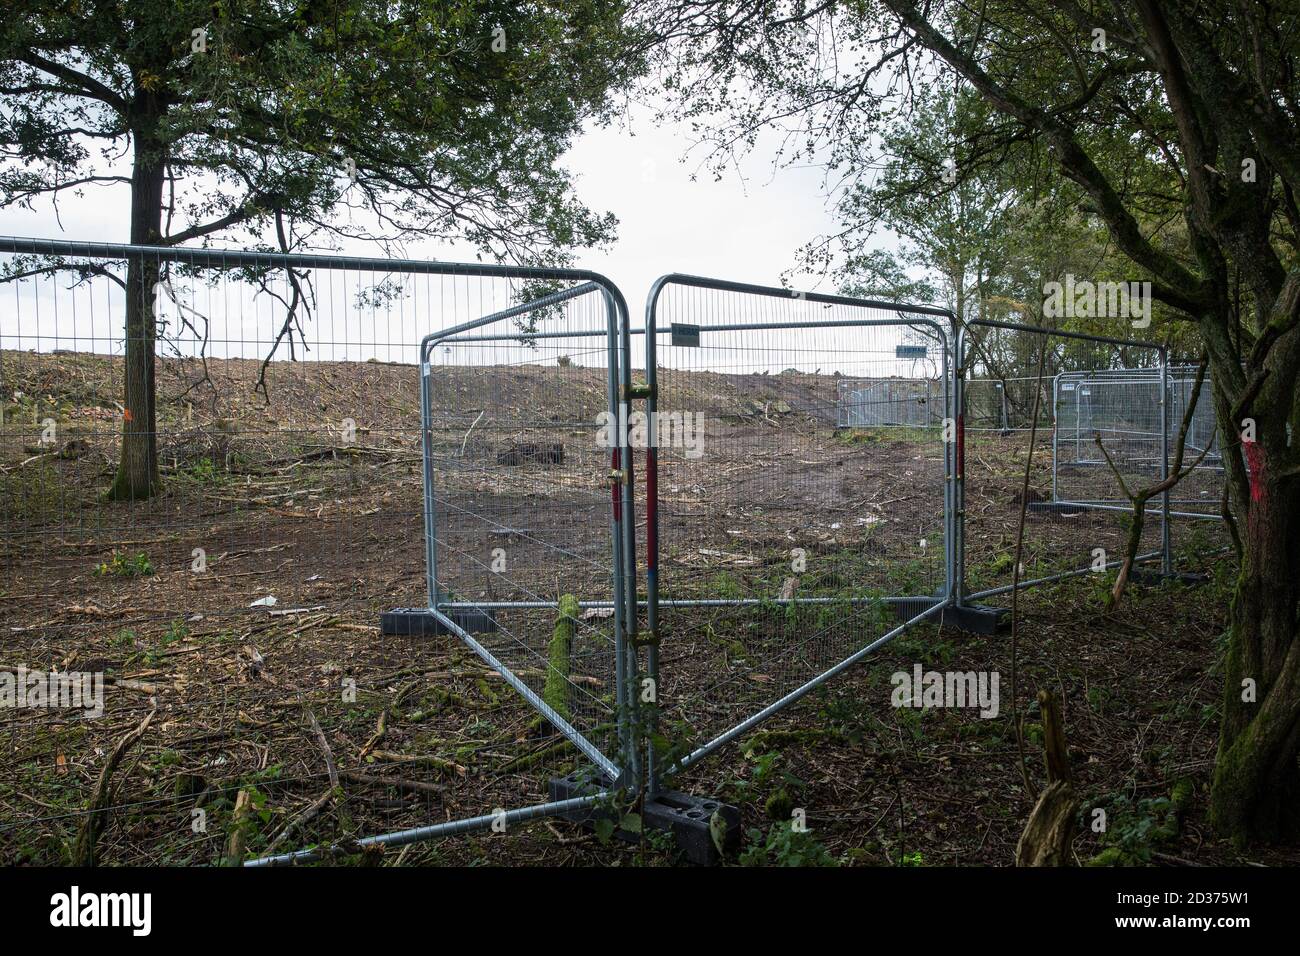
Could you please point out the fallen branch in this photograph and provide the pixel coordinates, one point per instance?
(304, 817)
(398, 783)
(465, 440)
(83, 853)
(328, 753)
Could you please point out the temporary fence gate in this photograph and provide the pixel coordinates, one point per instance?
(780, 547)
(522, 505)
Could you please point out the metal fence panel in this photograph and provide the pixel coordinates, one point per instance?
(521, 511)
(1124, 406)
(1104, 427)
(241, 602)
(867, 403)
(782, 544)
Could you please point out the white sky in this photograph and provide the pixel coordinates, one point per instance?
(674, 216)
(747, 230)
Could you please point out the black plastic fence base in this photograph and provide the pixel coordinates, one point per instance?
(690, 819)
(421, 622)
(976, 618)
(1152, 577)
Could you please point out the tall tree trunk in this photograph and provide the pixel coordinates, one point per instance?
(1256, 788)
(137, 473)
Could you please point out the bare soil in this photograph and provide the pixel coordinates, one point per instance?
(282, 505)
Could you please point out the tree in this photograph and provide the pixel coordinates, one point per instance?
(438, 119)
(1175, 123)
(984, 235)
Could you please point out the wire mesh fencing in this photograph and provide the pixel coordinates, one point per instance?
(868, 403)
(1091, 435)
(336, 438)
(781, 543)
(1124, 406)
(523, 510)
(235, 602)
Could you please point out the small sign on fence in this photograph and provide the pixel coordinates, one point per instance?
(911, 351)
(686, 335)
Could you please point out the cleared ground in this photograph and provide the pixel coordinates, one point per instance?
(282, 505)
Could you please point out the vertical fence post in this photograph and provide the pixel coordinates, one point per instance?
(949, 562)
(957, 518)
(617, 525)
(652, 531)
(426, 420)
(1056, 432)
(1166, 555)
(635, 738)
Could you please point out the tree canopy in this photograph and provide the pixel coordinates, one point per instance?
(440, 119)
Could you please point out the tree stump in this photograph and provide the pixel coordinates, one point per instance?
(1050, 830)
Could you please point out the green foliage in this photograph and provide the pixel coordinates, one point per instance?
(1135, 829)
(779, 805)
(428, 103)
(725, 586)
(126, 566)
(203, 472)
(785, 846)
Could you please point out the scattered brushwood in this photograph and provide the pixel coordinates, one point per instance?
(200, 453)
(1142, 710)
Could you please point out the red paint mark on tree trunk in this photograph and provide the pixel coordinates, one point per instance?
(1255, 463)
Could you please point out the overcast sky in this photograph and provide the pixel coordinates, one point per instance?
(744, 230)
(674, 216)
(747, 230)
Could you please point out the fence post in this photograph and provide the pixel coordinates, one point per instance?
(635, 737)
(1166, 556)
(957, 518)
(1056, 431)
(426, 425)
